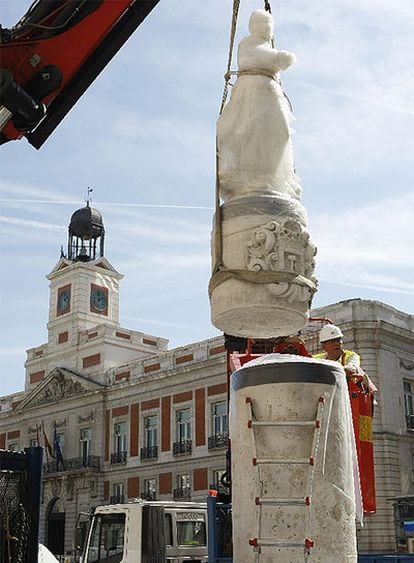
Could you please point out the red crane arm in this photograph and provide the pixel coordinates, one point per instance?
(53, 55)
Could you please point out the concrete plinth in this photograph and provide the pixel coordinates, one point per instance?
(289, 388)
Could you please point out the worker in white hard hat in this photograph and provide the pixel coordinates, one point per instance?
(331, 339)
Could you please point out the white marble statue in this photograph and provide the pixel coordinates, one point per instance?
(262, 279)
(254, 139)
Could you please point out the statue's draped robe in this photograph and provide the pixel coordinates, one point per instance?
(254, 141)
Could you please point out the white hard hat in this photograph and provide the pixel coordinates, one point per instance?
(330, 332)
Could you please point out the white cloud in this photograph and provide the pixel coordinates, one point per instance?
(29, 224)
(373, 96)
(139, 321)
(366, 280)
(167, 267)
(182, 262)
(29, 190)
(153, 206)
(161, 231)
(12, 351)
(369, 246)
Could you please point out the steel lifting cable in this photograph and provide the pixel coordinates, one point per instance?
(227, 76)
(218, 238)
(268, 8)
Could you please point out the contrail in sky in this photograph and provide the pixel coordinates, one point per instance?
(106, 203)
(379, 287)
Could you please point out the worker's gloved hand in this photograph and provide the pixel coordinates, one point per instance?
(358, 376)
(351, 370)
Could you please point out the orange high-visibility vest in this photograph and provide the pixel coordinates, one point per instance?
(362, 404)
(361, 394)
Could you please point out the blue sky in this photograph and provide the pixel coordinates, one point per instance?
(143, 137)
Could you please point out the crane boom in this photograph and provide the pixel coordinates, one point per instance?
(53, 54)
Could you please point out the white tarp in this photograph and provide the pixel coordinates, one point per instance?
(253, 135)
(45, 556)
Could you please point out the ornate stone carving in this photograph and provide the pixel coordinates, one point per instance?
(60, 423)
(93, 487)
(87, 418)
(33, 430)
(56, 487)
(407, 366)
(266, 282)
(291, 292)
(60, 387)
(281, 247)
(70, 487)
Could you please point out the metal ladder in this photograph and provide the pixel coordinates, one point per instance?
(260, 501)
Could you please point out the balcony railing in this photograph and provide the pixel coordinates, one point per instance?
(149, 453)
(409, 419)
(218, 441)
(116, 499)
(183, 447)
(72, 464)
(149, 495)
(182, 492)
(119, 458)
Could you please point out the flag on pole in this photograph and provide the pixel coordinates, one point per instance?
(48, 446)
(57, 449)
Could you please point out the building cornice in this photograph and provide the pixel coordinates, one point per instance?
(100, 265)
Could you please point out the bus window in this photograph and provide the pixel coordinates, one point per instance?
(107, 539)
(168, 529)
(191, 532)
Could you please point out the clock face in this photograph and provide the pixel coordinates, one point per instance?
(99, 299)
(63, 300)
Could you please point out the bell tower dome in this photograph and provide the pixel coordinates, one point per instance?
(84, 286)
(86, 235)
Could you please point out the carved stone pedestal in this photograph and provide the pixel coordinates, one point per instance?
(265, 284)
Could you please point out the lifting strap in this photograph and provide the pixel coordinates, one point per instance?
(218, 236)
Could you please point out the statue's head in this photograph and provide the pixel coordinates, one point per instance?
(261, 24)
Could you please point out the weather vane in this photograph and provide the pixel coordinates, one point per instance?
(88, 198)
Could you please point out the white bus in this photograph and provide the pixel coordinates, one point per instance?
(147, 532)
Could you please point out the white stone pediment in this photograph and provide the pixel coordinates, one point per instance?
(104, 264)
(100, 262)
(63, 263)
(60, 384)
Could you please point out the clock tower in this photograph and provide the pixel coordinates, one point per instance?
(84, 287)
(84, 334)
